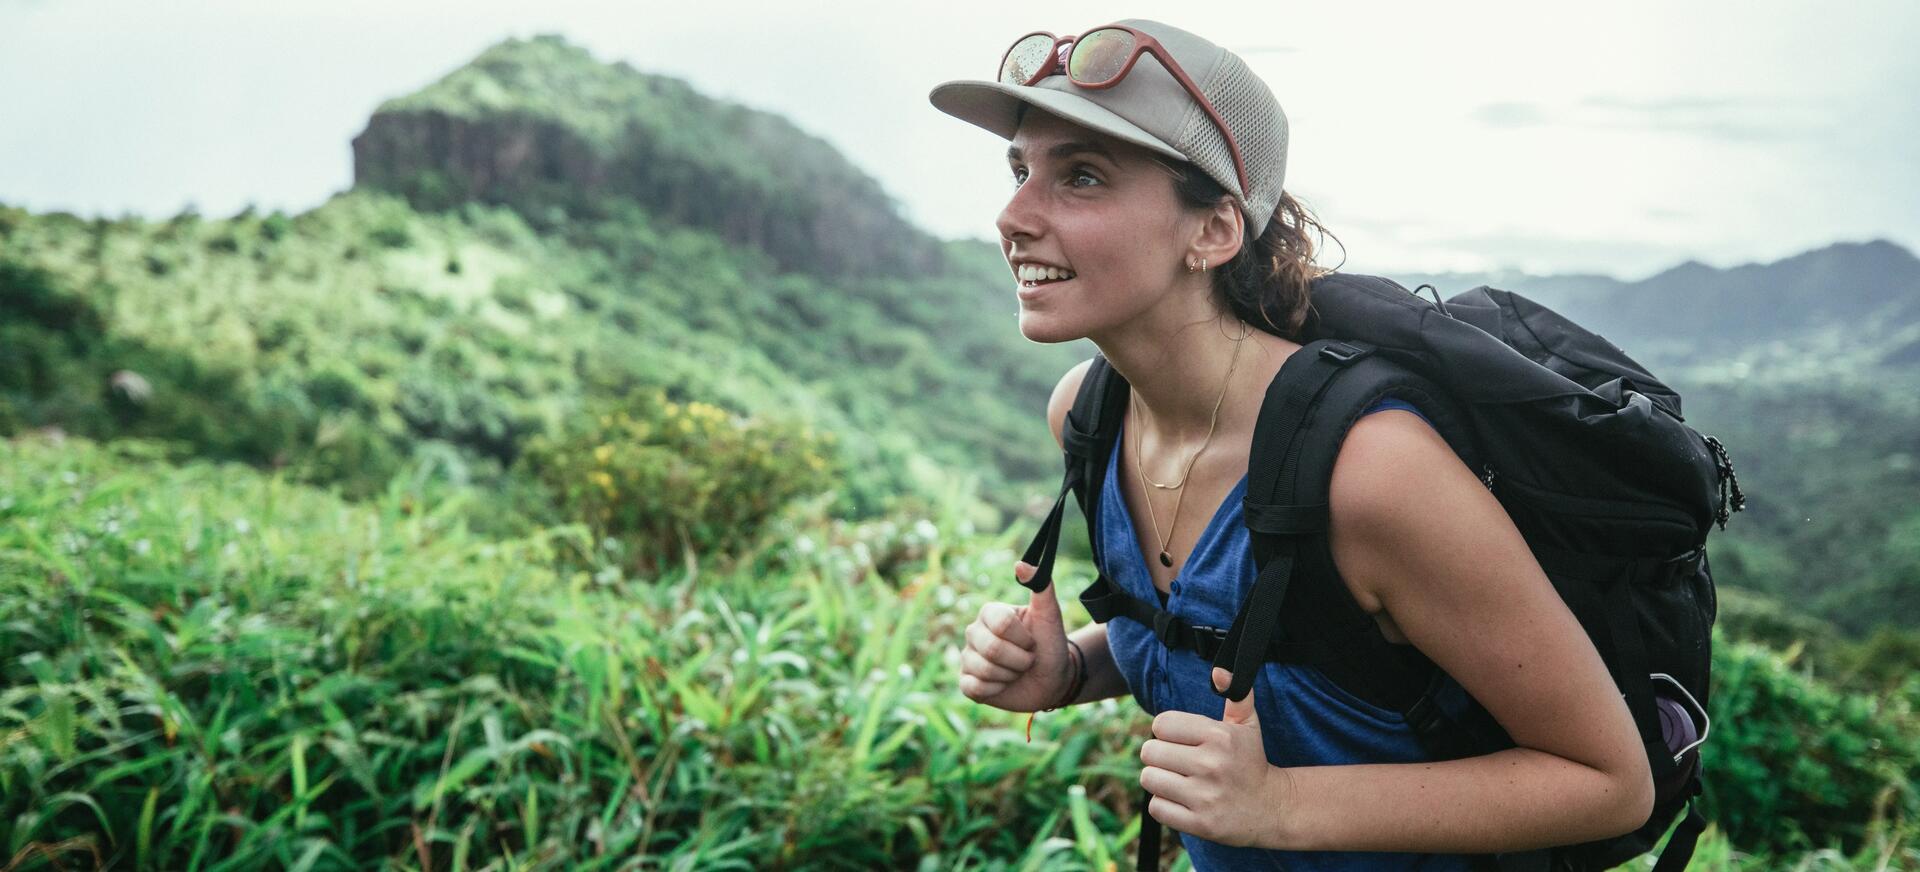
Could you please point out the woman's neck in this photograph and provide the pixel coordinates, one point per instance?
(1178, 376)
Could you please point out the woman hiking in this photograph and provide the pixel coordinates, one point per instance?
(1147, 214)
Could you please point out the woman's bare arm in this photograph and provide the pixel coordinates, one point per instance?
(1417, 535)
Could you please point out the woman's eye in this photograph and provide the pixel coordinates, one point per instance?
(1019, 175)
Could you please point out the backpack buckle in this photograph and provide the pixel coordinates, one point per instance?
(1424, 715)
(1207, 640)
(1341, 352)
(1686, 563)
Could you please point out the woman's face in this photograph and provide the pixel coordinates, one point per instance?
(1099, 207)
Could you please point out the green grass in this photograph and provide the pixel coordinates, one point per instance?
(208, 668)
(205, 667)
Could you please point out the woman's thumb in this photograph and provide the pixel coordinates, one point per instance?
(1240, 711)
(1043, 604)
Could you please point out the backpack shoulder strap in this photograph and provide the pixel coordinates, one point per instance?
(1086, 438)
(1315, 398)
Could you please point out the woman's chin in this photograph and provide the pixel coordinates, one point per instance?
(1045, 327)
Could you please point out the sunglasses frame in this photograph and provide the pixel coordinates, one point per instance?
(1143, 43)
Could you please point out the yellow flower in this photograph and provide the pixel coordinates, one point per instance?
(603, 453)
(602, 479)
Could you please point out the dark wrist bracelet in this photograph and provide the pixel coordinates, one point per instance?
(1079, 676)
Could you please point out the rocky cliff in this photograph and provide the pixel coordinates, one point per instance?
(539, 123)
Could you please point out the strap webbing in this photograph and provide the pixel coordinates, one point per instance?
(1536, 860)
(1040, 552)
(1680, 846)
(1105, 601)
(1272, 482)
(1149, 858)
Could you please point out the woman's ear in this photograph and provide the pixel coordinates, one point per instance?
(1220, 234)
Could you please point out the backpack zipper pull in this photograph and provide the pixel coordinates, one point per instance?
(1723, 466)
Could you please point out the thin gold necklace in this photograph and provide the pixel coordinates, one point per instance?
(1165, 558)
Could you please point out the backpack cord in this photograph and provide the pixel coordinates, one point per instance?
(1724, 466)
(1436, 299)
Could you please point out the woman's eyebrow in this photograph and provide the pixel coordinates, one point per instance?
(1064, 149)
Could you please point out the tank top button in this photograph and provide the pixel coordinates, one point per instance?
(1176, 587)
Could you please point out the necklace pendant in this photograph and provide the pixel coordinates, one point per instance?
(1166, 559)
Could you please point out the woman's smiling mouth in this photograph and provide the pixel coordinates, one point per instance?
(1029, 290)
(1033, 277)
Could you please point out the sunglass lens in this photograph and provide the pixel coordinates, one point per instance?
(1026, 58)
(1099, 56)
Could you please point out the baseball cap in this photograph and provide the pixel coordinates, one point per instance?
(1151, 109)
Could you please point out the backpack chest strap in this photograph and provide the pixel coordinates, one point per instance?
(1105, 601)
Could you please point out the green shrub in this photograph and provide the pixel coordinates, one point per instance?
(276, 333)
(338, 386)
(391, 233)
(663, 476)
(514, 293)
(33, 295)
(463, 413)
(275, 227)
(351, 453)
(1793, 764)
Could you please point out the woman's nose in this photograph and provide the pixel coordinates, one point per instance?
(1021, 217)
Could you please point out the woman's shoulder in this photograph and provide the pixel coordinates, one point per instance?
(1063, 396)
(1391, 468)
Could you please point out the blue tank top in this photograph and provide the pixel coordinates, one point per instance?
(1305, 719)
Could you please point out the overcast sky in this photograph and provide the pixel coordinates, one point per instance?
(1618, 137)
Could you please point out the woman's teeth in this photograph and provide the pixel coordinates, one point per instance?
(1031, 274)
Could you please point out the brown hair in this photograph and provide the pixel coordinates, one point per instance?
(1265, 284)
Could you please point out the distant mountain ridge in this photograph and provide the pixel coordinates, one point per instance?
(539, 123)
(1867, 293)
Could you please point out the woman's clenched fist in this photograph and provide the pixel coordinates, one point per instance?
(1016, 656)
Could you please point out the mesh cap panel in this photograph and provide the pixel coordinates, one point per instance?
(1257, 122)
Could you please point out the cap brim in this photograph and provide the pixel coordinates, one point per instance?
(994, 106)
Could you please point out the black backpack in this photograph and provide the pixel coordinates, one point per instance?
(1586, 451)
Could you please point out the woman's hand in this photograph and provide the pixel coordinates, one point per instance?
(1016, 656)
(1211, 778)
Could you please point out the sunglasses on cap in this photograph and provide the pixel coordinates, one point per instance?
(1100, 58)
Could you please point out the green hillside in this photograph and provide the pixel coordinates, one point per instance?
(343, 340)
